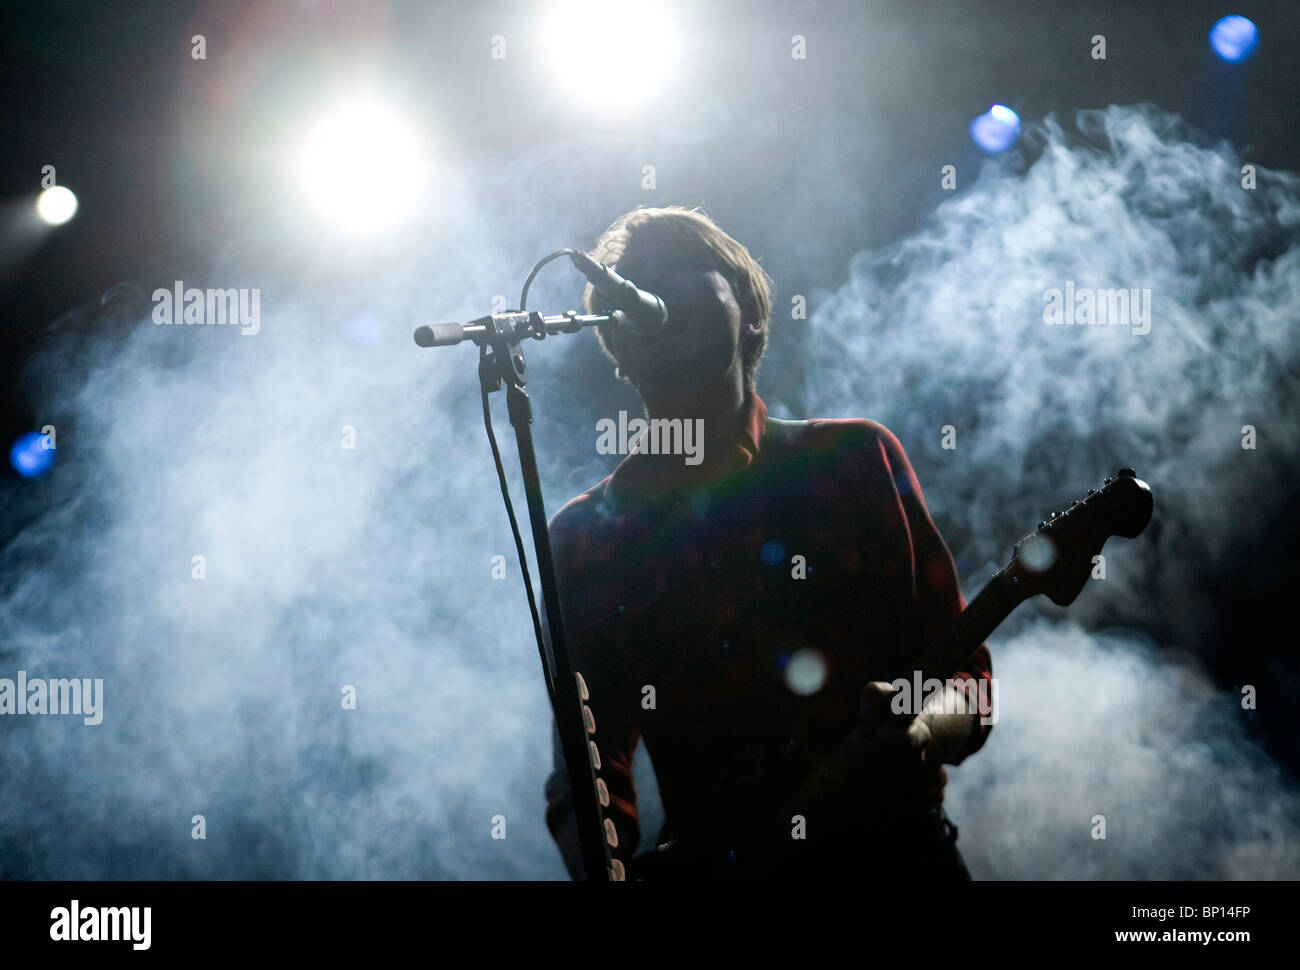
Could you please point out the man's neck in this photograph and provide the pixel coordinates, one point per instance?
(720, 407)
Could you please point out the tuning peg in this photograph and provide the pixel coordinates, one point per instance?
(1108, 481)
(1092, 491)
(1056, 515)
(1042, 524)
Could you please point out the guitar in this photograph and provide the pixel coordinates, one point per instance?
(1055, 560)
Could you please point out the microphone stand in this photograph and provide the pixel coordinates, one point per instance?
(502, 361)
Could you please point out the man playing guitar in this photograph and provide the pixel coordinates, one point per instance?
(741, 613)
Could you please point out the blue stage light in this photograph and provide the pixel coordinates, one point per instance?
(32, 455)
(997, 129)
(1234, 38)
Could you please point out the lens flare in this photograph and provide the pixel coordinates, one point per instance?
(805, 674)
(1234, 38)
(772, 552)
(32, 455)
(1037, 552)
(997, 129)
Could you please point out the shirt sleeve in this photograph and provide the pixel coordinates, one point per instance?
(588, 599)
(937, 593)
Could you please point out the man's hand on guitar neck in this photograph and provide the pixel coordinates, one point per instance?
(932, 737)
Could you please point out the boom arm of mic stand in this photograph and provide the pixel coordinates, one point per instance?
(503, 333)
(484, 330)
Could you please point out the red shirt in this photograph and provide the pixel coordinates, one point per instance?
(690, 624)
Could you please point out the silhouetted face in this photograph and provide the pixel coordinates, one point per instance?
(703, 342)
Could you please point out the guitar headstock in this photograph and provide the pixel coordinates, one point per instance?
(1056, 559)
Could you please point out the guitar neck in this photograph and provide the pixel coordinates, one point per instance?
(994, 603)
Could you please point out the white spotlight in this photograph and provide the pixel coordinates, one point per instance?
(362, 169)
(611, 55)
(56, 205)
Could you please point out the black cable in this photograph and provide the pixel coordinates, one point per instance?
(523, 297)
(514, 528)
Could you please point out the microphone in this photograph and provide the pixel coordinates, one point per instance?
(643, 312)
